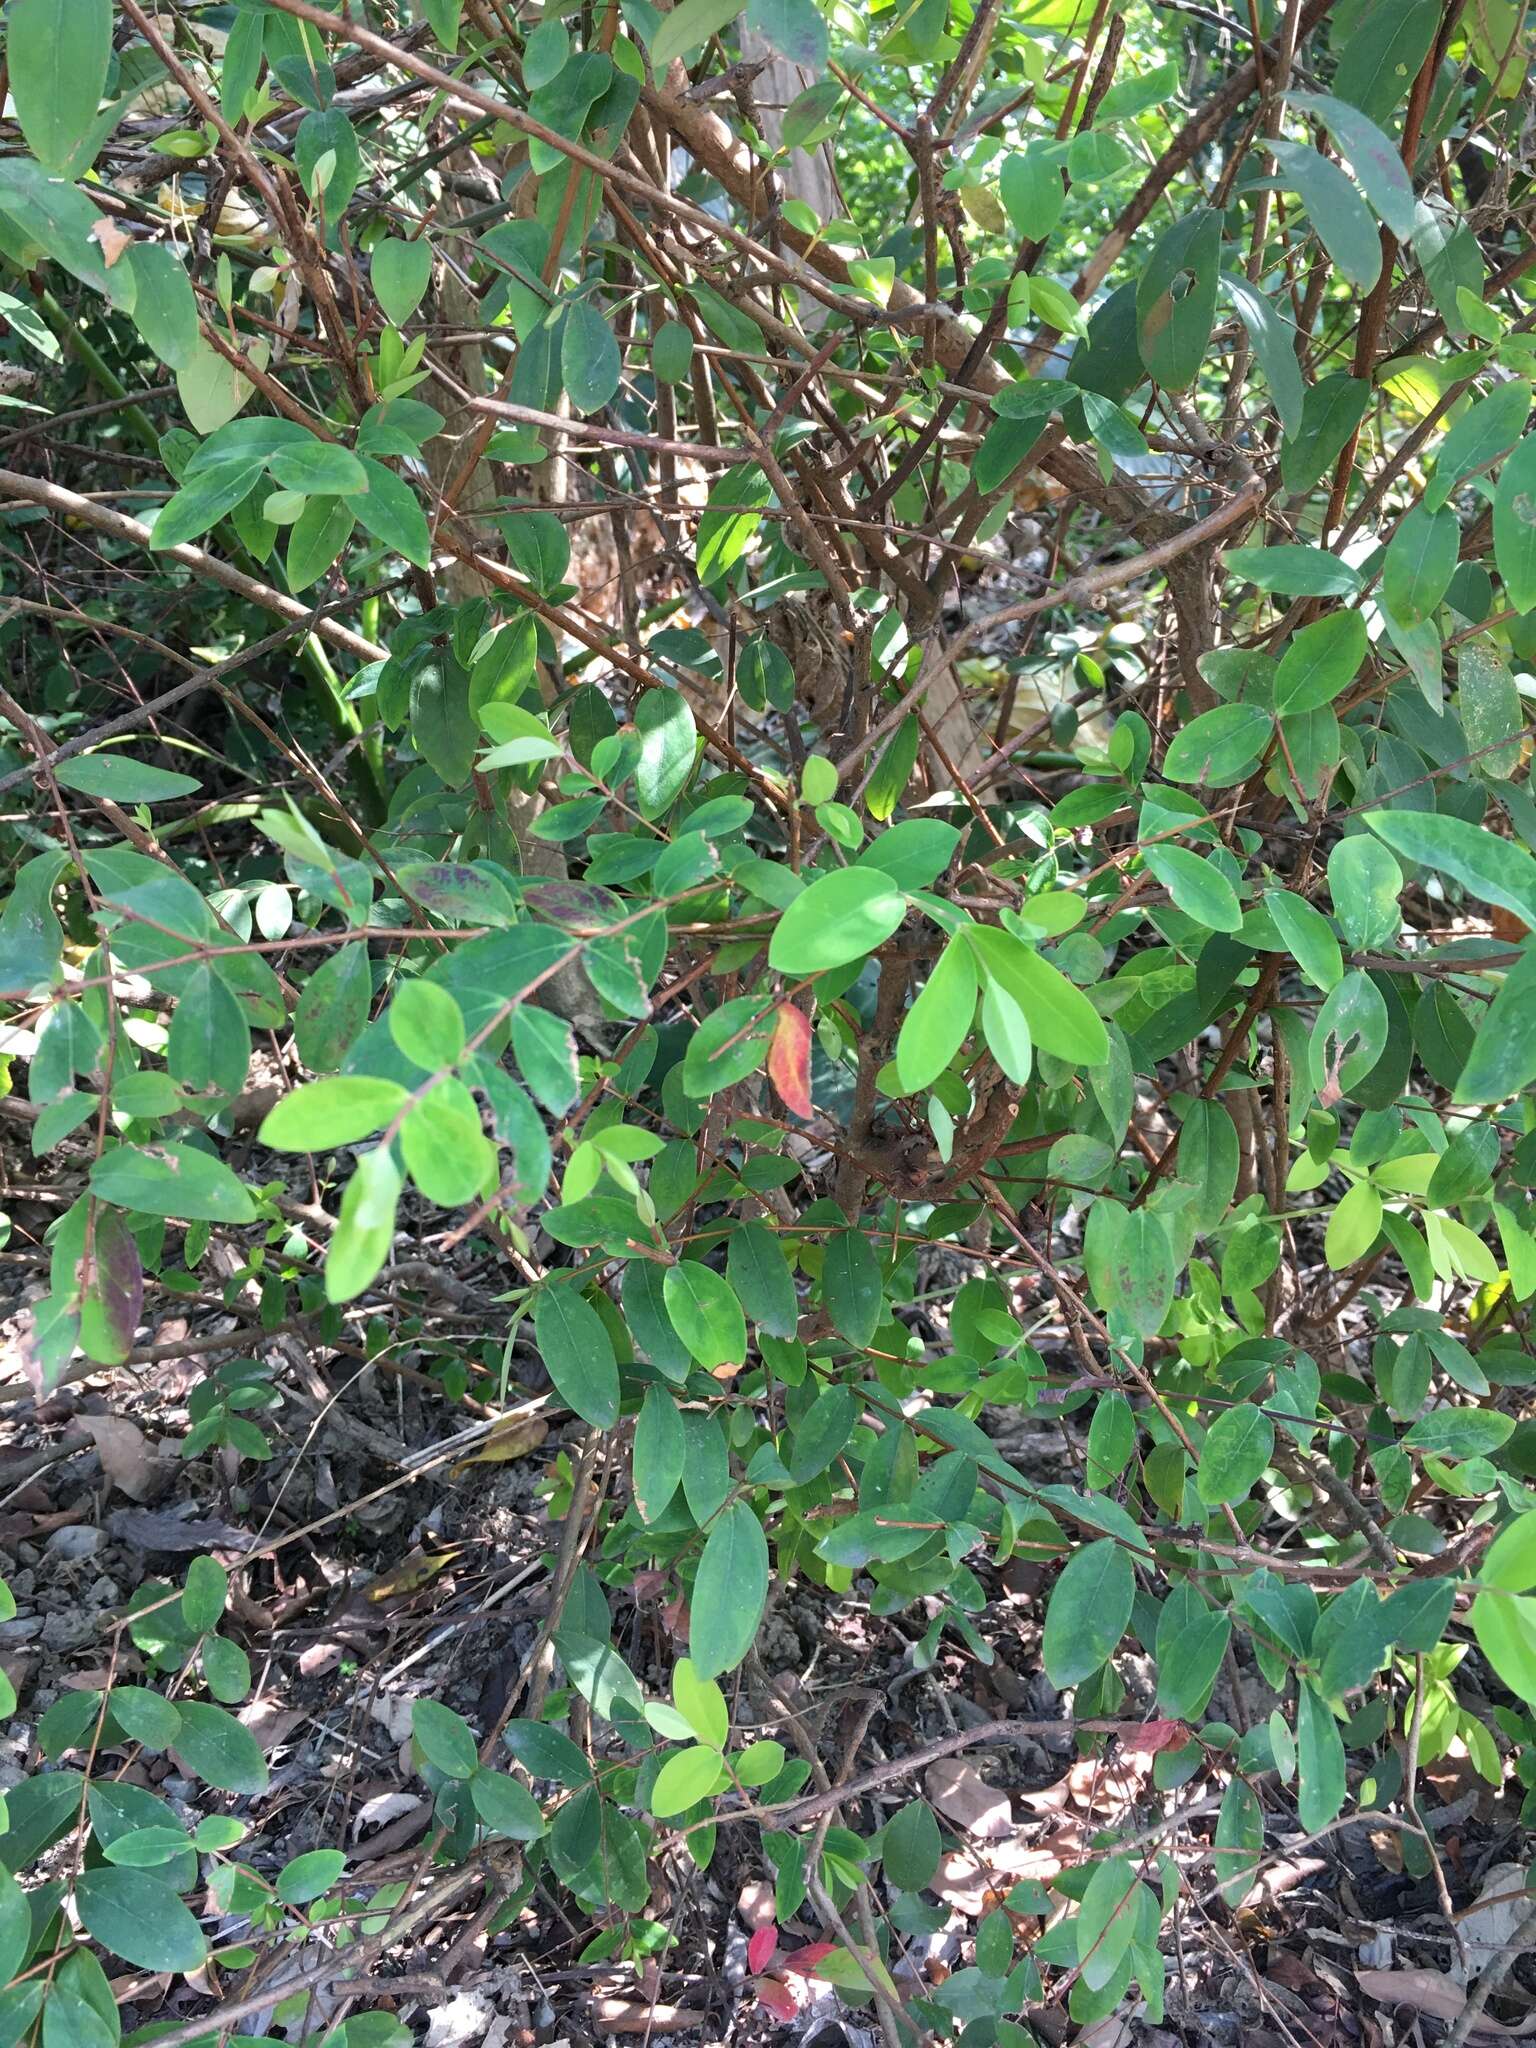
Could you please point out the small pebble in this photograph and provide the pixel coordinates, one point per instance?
(74, 1541)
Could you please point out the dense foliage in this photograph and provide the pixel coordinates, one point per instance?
(852, 680)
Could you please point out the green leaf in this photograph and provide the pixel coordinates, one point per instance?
(737, 502)
(316, 538)
(444, 1738)
(366, 1229)
(138, 1917)
(729, 1590)
(851, 1286)
(763, 1280)
(705, 1314)
(590, 366)
(1320, 1778)
(657, 1463)
(164, 303)
(1505, 1627)
(1377, 161)
(1031, 190)
(1494, 870)
(390, 511)
(1107, 1921)
(840, 917)
(203, 501)
(1321, 661)
(333, 1008)
(1060, 1017)
(145, 1715)
(1238, 1446)
(123, 779)
(1514, 525)
(1221, 747)
(401, 272)
(1460, 1432)
(1492, 716)
(15, 1926)
(1176, 298)
(216, 1748)
(701, 1703)
(577, 1351)
(1380, 61)
(911, 1846)
(1088, 1612)
(1502, 1061)
(1198, 887)
(427, 1025)
(687, 29)
(1332, 410)
(338, 1110)
(208, 1048)
(914, 853)
(57, 53)
(1139, 1277)
(687, 1776)
(938, 1023)
(731, 1043)
(308, 1877)
(1339, 216)
(1239, 1841)
(59, 218)
(1274, 345)
(671, 352)
(794, 28)
(1297, 570)
(1420, 562)
(171, 1180)
(1192, 1639)
(1484, 431)
(668, 747)
(506, 1807)
(316, 468)
(204, 1595)
(1309, 935)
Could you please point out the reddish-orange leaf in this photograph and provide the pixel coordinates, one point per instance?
(789, 1059)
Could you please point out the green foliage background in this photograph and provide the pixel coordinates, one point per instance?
(506, 598)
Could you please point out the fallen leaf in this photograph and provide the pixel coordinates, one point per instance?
(960, 1792)
(414, 1572)
(149, 1529)
(514, 1438)
(112, 240)
(755, 1904)
(760, 1949)
(129, 1459)
(1429, 1991)
(789, 1059)
(1487, 1924)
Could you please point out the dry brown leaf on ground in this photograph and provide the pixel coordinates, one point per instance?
(134, 1465)
(1500, 1907)
(962, 1795)
(1431, 1992)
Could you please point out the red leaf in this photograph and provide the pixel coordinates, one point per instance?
(111, 1290)
(761, 1947)
(789, 1059)
(804, 1960)
(1146, 1738)
(777, 1997)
